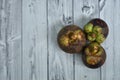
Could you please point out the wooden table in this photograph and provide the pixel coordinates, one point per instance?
(28, 46)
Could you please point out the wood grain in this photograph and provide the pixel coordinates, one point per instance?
(86, 10)
(60, 63)
(3, 25)
(34, 40)
(111, 14)
(28, 39)
(10, 40)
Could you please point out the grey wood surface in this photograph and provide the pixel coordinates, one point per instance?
(28, 45)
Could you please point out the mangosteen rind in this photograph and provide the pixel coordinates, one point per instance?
(71, 39)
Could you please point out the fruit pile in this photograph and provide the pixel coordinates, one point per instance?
(72, 39)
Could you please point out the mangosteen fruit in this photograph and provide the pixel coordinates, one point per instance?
(71, 39)
(96, 30)
(94, 55)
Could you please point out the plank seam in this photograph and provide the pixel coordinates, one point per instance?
(21, 40)
(114, 43)
(8, 76)
(73, 54)
(47, 40)
(99, 17)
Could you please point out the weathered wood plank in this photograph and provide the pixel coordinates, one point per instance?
(34, 40)
(10, 40)
(84, 10)
(60, 63)
(2, 40)
(111, 14)
(32, 64)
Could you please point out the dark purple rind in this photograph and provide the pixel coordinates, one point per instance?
(98, 64)
(102, 24)
(76, 48)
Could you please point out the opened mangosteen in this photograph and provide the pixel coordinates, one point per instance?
(94, 55)
(71, 39)
(96, 30)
